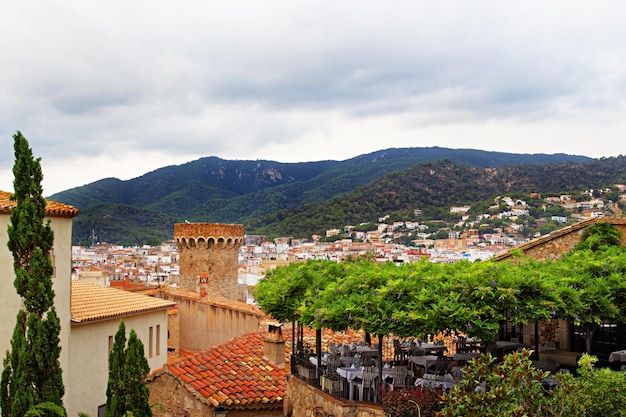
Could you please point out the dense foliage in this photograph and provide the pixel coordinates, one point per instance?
(515, 388)
(425, 298)
(126, 390)
(32, 377)
(433, 187)
(216, 190)
(511, 388)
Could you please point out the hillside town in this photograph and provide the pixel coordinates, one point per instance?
(210, 348)
(471, 238)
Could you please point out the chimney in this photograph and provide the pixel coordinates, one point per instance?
(274, 345)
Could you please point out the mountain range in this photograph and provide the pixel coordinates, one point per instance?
(300, 199)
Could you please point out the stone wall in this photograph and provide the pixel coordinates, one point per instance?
(305, 401)
(561, 241)
(209, 257)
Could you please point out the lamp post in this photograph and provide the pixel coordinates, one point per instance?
(220, 411)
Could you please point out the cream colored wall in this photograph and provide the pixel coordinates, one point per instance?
(203, 325)
(89, 350)
(10, 302)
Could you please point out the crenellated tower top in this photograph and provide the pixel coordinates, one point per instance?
(209, 257)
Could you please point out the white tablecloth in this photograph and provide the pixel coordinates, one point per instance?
(465, 356)
(313, 360)
(425, 360)
(429, 348)
(351, 373)
(507, 346)
(618, 356)
(431, 381)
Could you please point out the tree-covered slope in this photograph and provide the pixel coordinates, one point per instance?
(432, 186)
(216, 190)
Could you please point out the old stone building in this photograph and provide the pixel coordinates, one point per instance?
(209, 257)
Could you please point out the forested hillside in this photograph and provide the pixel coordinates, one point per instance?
(433, 187)
(255, 193)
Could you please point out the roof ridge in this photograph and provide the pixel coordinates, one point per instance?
(53, 208)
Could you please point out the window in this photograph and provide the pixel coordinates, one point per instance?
(110, 343)
(158, 340)
(150, 342)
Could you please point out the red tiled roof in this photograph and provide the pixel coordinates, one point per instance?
(213, 299)
(233, 373)
(52, 207)
(236, 374)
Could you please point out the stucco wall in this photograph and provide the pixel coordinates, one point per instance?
(10, 302)
(89, 349)
(203, 325)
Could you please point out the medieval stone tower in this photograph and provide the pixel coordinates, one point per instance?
(209, 257)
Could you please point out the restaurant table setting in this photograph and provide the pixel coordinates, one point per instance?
(505, 346)
(466, 356)
(424, 360)
(354, 373)
(618, 356)
(428, 348)
(436, 381)
(313, 359)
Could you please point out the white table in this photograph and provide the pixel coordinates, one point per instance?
(465, 356)
(425, 360)
(366, 349)
(432, 381)
(429, 348)
(350, 374)
(618, 356)
(505, 346)
(313, 360)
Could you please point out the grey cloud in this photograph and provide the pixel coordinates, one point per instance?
(243, 77)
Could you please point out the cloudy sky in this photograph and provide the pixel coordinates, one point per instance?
(120, 88)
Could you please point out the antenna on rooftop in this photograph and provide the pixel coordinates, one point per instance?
(93, 237)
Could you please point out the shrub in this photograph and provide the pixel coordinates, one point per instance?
(512, 388)
(601, 392)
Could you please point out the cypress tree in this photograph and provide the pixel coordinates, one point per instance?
(32, 374)
(128, 366)
(115, 385)
(137, 369)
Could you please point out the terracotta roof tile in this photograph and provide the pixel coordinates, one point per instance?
(52, 207)
(91, 302)
(214, 299)
(236, 374)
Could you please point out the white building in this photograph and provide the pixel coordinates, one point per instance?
(89, 315)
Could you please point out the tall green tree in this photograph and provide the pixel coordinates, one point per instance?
(32, 373)
(128, 366)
